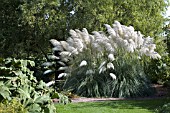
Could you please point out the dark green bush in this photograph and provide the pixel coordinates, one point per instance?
(158, 70)
(164, 109)
(167, 84)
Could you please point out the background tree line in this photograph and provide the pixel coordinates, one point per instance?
(27, 25)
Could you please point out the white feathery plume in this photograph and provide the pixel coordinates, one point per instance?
(70, 41)
(143, 50)
(152, 46)
(54, 42)
(65, 45)
(91, 37)
(68, 45)
(57, 48)
(97, 35)
(119, 27)
(132, 42)
(57, 45)
(104, 37)
(64, 59)
(65, 53)
(85, 31)
(131, 28)
(71, 49)
(53, 57)
(125, 30)
(109, 47)
(78, 44)
(97, 47)
(111, 57)
(75, 52)
(125, 43)
(110, 30)
(83, 63)
(126, 36)
(79, 34)
(158, 56)
(107, 27)
(113, 76)
(140, 40)
(135, 38)
(119, 41)
(50, 83)
(130, 48)
(47, 64)
(73, 33)
(164, 65)
(62, 75)
(155, 55)
(62, 68)
(148, 40)
(85, 36)
(110, 65)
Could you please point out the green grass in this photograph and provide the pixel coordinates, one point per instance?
(121, 106)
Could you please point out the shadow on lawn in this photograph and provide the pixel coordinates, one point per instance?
(150, 104)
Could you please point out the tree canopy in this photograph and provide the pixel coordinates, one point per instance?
(146, 16)
(26, 26)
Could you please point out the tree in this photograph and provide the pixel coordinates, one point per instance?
(27, 26)
(10, 29)
(30, 24)
(44, 20)
(146, 16)
(167, 34)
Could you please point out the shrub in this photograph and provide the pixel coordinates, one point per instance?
(167, 84)
(106, 64)
(17, 81)
(13, 106)
(164, 109)
(159, 70)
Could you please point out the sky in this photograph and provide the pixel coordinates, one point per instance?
(168, 12)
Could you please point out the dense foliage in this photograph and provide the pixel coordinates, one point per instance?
(145, 16)
(28, 25)
(164, 109)
(17, 81)
(13, 106)
(159, 70)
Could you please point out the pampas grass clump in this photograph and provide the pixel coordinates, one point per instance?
(106, 64)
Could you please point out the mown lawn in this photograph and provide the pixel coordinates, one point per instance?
(121, 106)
